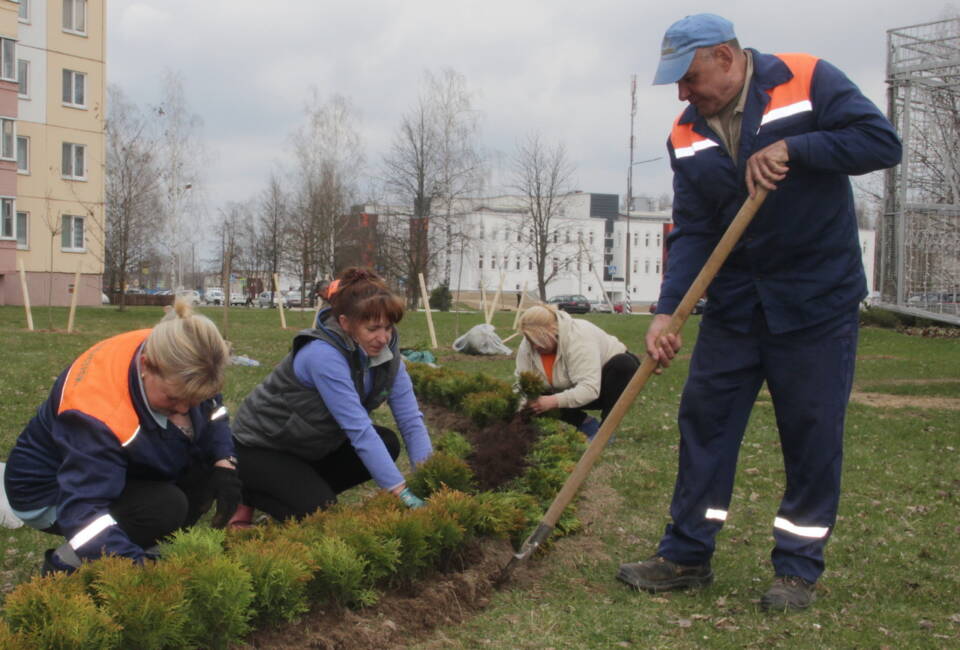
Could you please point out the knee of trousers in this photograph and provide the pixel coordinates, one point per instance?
(390, 439)
(151, 513)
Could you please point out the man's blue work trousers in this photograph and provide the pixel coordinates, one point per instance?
(809, 374)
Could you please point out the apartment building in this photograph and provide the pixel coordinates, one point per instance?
(52, 149)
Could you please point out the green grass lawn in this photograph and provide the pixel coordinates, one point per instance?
(893, 569)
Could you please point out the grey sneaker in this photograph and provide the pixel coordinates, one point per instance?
(660, 574)
(788, 592)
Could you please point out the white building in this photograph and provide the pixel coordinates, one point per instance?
(488, 247)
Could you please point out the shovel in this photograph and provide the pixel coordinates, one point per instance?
(639, 380)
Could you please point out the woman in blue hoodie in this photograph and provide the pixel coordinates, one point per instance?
(305, 435)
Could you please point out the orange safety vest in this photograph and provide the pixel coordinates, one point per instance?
(789, 98)
(98, 385)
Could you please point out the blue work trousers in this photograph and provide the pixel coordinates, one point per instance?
(809, 374)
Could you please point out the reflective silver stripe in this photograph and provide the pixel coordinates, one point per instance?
(99, 524)
(716, 513)
(787, 111)
(219, 413)
(815, 532)
(699, 145)
(130, 439)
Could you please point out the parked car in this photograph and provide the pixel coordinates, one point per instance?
(213, 296)
(238, 299)
(572, 304)
(294, 298)
(600, 306)
(265, 299)
(697, 308)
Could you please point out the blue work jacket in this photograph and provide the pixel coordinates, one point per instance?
(800, 259)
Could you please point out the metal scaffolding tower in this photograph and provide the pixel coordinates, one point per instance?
(920, 230)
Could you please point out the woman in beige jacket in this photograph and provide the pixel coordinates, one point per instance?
(584, 367)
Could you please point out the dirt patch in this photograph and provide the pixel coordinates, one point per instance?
(500, 450)
(883, 400)
(399, 618)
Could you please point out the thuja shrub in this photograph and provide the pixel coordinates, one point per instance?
(219, 590)
(530, 385)
(489, 406)
(424, 536)
(360, 531)
(280, 572)
(507, 514)
(453, 443)
(56, 612)
(147, 602)
(469, 512)
(341, 574)
(10, 640)
(439, 471)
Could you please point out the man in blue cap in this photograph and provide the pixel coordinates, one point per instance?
(783, 309)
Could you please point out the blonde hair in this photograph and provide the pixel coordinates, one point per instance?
(539, 325)
(187, 349)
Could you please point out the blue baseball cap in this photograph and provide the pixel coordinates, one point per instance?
(682, 40)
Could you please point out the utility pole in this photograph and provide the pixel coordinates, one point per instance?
(629, 202)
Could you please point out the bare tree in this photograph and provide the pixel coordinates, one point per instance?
(329, 156)
(132, 190)
(272, 236)
(542, 175)
(183, 157)
(434, 160)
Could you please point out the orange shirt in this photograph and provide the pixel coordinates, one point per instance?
(548, 360)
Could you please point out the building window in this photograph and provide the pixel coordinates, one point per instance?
(590, 266)
(481, 262)
(556, 236)
(24, 11)
(74, 84)
(72, 165)
(22, 220)
(23, 77)
(518, 263)
(529, 263)
(493, 261)
(646, 267)
(75, 16)
(519, 235)
(23, 154)
(658, 240)
(7, 222)
(658, 267)
(635, 239)
(8, 139)
(8, 59)
(72, 233)
(556, 265)
(646, 239)
(591, 238)
(566, 236)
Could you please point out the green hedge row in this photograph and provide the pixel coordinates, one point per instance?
(482, 398)
(213, 587)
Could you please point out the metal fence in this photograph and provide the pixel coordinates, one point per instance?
(920, 232)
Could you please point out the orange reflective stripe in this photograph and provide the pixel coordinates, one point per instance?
(686, 141)
(793, 96)
(97, 384)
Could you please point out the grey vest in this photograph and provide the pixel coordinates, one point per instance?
(283, 414)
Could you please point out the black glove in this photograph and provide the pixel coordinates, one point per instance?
(225, 485)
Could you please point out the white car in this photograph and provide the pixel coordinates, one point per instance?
(189, 295)
(265, 299)
(213, 296)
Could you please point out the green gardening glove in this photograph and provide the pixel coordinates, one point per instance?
(410, 499)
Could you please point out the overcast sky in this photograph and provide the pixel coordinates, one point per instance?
(560, 67)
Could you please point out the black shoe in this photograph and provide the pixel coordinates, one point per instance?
(49, 566)
(788, 592)
(660, 574)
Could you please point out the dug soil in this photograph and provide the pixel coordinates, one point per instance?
(451, 594)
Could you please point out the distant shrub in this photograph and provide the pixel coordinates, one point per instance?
(530, 385)
(486, 407)
(55, 612)
(876, 317)
(441, 298)
(439, 471)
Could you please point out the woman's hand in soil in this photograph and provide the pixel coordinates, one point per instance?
(543, 404)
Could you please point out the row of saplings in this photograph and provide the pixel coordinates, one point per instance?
(213, 587)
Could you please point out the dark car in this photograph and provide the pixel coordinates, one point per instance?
(572, 304)
(697, 308)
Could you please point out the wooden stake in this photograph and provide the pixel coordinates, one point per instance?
(73, 301)
(511, 337)
(496, 301)
(516, 319)
(426, 308)
(279, 300)
(26, 295)
(483, 300)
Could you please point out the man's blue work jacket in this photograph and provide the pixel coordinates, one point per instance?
(801, 257)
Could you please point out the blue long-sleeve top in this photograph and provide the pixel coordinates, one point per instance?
(321, 366)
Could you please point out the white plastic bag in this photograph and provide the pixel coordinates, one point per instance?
(481, 339)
